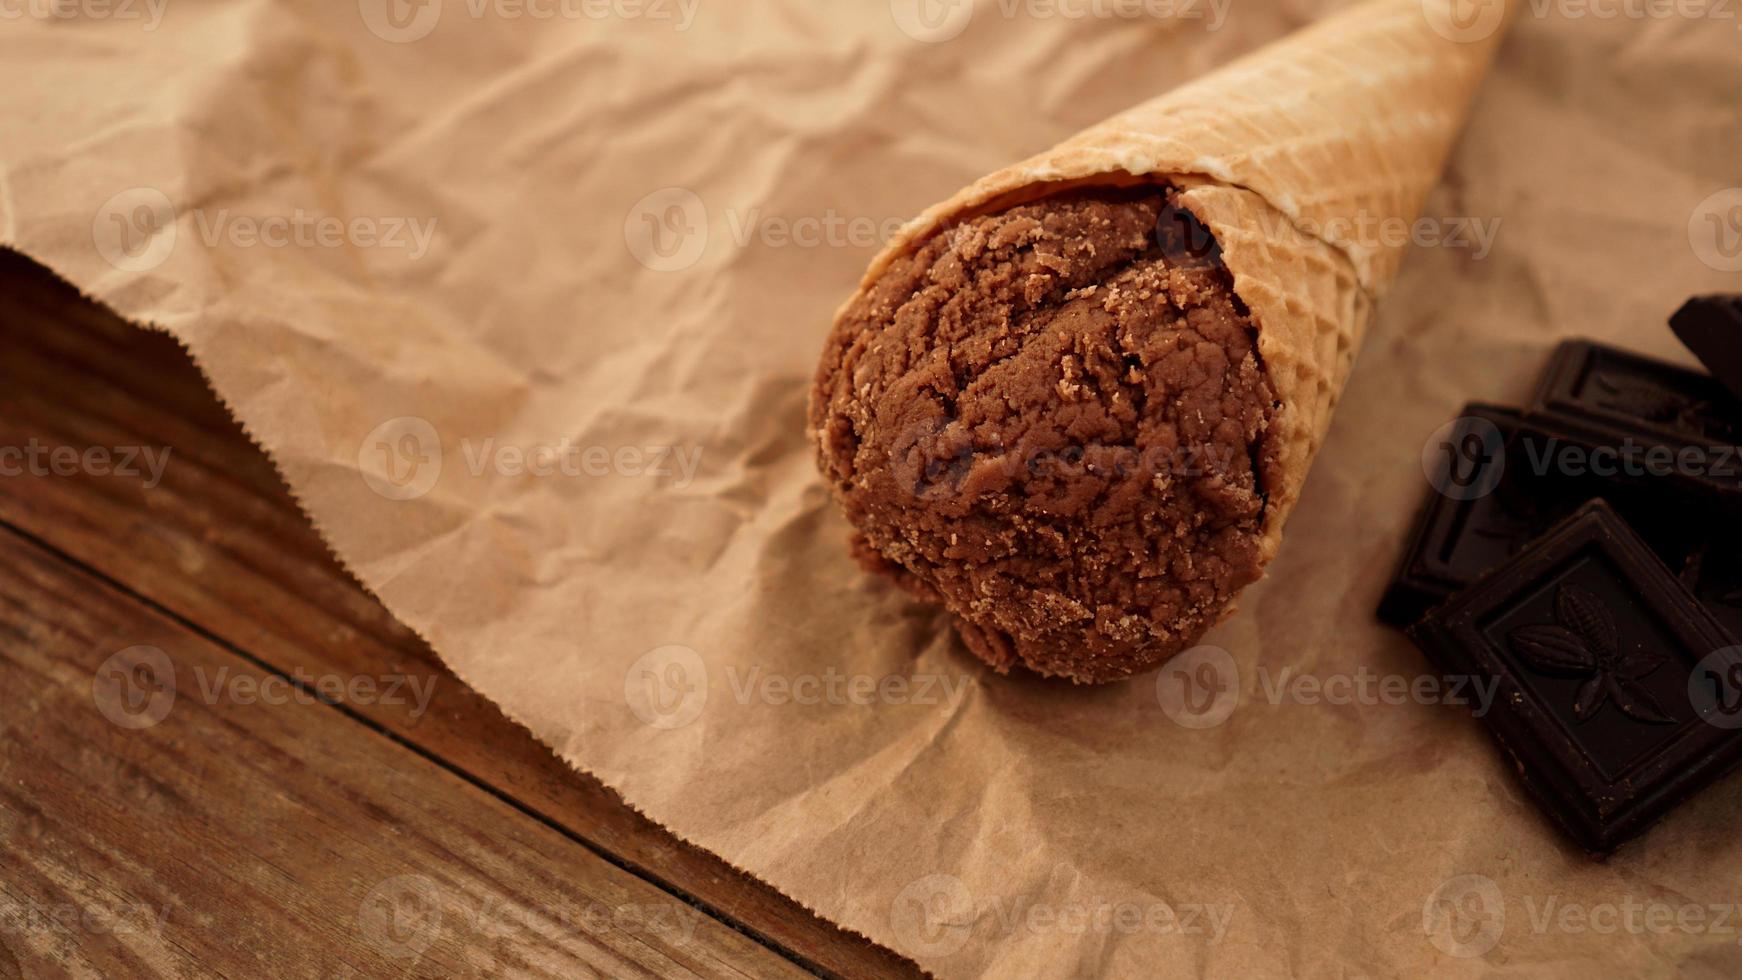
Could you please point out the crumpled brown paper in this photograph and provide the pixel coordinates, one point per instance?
(523, 299)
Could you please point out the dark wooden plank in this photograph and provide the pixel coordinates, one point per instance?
(220, 542)
(164, 809)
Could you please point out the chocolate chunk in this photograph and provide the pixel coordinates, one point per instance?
(1614, 692)
(1714, 574)
(1711, 327)
(1487, 504)
(1632, 419)
(1459, 534)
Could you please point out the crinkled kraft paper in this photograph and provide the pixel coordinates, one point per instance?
(524, 300)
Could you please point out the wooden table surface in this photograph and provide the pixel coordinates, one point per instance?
(223, 757)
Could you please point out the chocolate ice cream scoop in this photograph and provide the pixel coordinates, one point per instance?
(1053, 419)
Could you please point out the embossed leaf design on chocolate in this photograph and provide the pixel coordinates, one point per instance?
(1584, 643)
(1554, 650)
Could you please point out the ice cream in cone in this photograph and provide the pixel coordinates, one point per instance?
(1077, 401)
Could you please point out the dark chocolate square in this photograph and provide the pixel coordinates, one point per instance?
(1632, 419)
(1711, 327)
(1460, 534)
(1618, 695)
(1714, 574)
(1486, 504)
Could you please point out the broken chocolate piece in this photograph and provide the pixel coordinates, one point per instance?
(1632, 419)
(1617, 694)
(1711, 327)
(1713, 573)
(1460, 535)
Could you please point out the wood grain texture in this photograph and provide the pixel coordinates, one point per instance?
(165, 809)
(219, 545)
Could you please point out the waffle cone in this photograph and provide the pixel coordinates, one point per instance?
(1291, 156)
